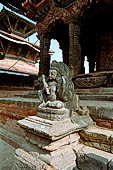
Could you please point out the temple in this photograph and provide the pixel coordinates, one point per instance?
(75, 22)
(18, 56)
(52, 133)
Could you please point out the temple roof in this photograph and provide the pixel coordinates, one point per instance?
(12, 23)
(10, 66)
(34, 9)
(17, 39)
(20, 40)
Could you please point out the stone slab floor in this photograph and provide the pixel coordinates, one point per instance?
(6, 155)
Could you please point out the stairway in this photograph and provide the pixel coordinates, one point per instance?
(100, 94)
(95, 151)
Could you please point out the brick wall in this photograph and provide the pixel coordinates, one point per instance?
(12, 110)
(18, 108)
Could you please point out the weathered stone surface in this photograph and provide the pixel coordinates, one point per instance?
(26, 161)
(110, 165)
(62, 159)
(53, 114)
(103, 147)
(103, 112)
(90, 82)
(97, 97)
(92, 159)
(96, 134)
(50, 129)
(58, 90)
(97, 138)
(47, 144)
(99, 109)
(85, 120)
(7, 158)
(111, 143)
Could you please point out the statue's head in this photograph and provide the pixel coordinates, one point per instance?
(52, 74)
(59, 69)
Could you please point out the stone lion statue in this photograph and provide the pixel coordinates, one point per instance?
(58, 88)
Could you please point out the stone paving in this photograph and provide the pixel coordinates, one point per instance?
(6, 155)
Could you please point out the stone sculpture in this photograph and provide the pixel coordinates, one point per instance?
(57, 91)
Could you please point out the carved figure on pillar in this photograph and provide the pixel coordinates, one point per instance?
(58, 86)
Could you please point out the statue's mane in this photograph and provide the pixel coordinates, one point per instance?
(61, 68)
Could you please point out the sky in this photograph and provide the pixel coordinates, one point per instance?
(54, 45)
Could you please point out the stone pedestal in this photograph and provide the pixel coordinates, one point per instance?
(53, 140)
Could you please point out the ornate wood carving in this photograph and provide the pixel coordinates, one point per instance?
(74, 49)
(89, 82)
(66, 15)
(44, 56)
(54, 15)
(79, 6)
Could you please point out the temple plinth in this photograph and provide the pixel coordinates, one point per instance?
(52, 131)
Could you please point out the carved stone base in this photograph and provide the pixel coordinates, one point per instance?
(62, 159)
(52, 141)
(52, 130)
(53, 114)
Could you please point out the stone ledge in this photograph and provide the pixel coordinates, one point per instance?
(63, 160)
(99, 109)
(93, 159)
(98, 138)
(101, 97)
(52, 130)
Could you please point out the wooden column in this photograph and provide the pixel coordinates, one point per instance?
(74, 48)
(64, 46)
(44, 65)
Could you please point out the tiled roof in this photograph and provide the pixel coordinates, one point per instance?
(22, 40)
(18, 66)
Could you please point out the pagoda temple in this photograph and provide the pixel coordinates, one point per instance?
(18, 56)
(82, 28)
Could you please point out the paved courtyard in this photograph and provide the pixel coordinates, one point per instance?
(6, 156)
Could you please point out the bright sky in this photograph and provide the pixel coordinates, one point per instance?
(54, 45)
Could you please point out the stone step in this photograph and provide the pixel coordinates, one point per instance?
(93, 159)
(100, 111)
(97, 137)
(93, 93)
(100, 90)
(96, 97)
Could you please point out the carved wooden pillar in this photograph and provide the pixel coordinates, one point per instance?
(66, 56)
(65, 51)
(74, 48)
(44, 65)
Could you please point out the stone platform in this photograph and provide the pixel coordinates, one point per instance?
(93, 159)
(100, 94)
(99, 138)
(96, 155)
(7, 158)
(100, 111)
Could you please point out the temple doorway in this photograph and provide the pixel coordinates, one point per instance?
(60, 32)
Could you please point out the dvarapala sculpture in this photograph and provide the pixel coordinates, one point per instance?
(57, 93)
